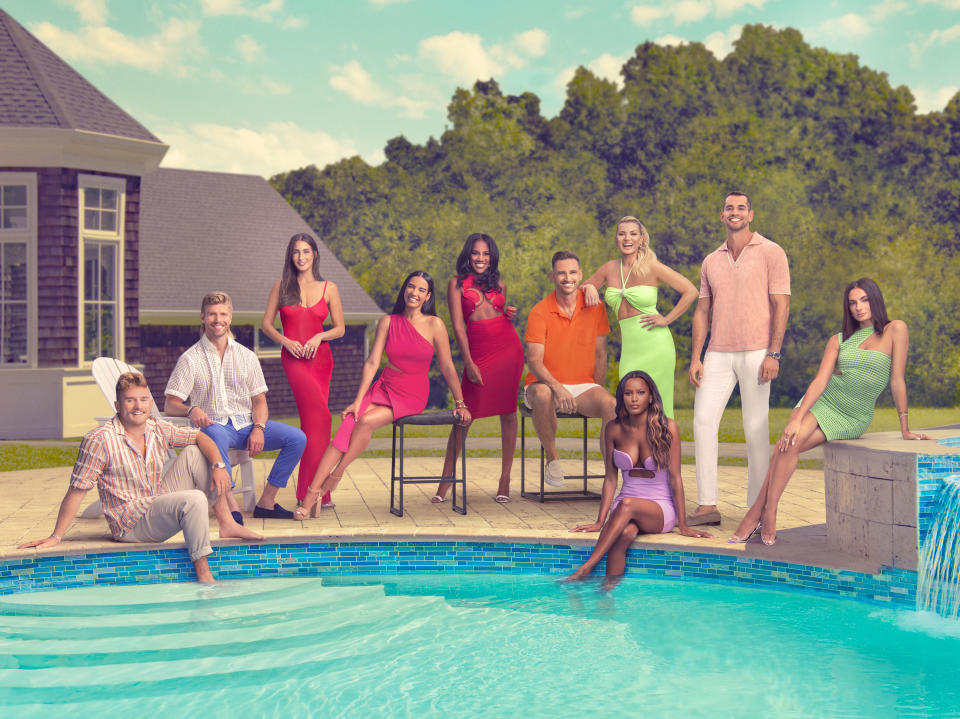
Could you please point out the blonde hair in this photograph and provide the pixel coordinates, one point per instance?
(216, 298)
(646, 257)
(128, 380)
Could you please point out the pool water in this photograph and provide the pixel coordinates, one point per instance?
(471, 645)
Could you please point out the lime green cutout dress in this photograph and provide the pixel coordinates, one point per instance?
(845, 409)
(651, 350)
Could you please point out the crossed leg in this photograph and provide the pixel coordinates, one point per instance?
(644, 513)
(782, 466)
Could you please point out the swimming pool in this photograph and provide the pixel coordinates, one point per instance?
(478, 645)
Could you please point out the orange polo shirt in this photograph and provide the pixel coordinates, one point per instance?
(569, 343)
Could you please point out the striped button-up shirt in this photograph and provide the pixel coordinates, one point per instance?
(128, 480)
(221, 389)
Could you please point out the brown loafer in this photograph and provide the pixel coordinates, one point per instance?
(694, 520)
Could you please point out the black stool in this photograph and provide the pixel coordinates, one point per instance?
(427, 418)
(543, 495)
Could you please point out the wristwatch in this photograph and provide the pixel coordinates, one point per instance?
(775, 355)
(219, 465)
(259, 425)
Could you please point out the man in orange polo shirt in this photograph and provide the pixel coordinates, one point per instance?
(567, 360)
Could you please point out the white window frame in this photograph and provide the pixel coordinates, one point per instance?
(28, 235)
(266, 352)
(115, 237)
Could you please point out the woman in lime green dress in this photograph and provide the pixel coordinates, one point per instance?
(632, 281)
(857, 364)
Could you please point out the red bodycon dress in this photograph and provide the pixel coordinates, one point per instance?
(495, 348)
(310, 381)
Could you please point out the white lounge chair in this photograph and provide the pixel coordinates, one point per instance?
(105, 371)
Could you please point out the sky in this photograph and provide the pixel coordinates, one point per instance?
(264, 86)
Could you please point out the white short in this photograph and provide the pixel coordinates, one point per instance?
(575, 389)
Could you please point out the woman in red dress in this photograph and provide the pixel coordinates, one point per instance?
(491, 350)
(409, 336)
(304, 300)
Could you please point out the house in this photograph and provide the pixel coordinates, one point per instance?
(102, 254)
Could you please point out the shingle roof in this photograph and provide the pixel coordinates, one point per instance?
(205, 231)
(38, 89)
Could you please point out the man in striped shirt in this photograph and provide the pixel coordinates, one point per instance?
(143, 500)
(227, 394)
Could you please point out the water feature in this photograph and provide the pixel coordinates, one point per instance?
(938, 574)
(434, 645)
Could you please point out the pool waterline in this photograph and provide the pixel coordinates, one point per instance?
(360, 557)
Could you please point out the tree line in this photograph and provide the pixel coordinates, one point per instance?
(841, 170)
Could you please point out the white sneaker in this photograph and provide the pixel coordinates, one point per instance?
(553, 473)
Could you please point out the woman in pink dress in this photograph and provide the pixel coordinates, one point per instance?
(304, 300)
(643, 444)
(491, 351)
(409, 335)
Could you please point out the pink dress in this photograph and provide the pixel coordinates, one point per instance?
(404, 389)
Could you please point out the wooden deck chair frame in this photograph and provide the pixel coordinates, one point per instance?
(106, 371)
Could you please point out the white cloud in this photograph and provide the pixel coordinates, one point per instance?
(887, 8)
(532, 42)
(937, 37)
(849, 25)
(721, 43)
(605, 66)
(177, 40)
(263, 11)
(728, 7)
(646, 14)
(381, 3)
(949, 4)
(463, 56)
(248, 48)
(933, 100)
(272, 87)
(292, 23)
(669, 40)
(353, 80)
(460, 56)
(275, 148)
(91, 12)
(688, 10)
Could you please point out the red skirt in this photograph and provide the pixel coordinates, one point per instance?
(496, 349)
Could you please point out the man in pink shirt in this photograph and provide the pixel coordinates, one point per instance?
(745, 299)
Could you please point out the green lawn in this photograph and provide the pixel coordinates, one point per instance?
(36, 456)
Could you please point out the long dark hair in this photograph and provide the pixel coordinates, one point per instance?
(428, 308)
(490, 279)
(658, 431)
(878, 309)
(289, 286)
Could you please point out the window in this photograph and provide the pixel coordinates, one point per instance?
(265, 347)
(101, 243)
(18, 193)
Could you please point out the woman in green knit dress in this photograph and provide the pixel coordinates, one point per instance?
(856, 366)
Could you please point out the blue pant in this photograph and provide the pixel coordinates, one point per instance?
(289, 440)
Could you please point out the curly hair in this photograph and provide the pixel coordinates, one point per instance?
(658, 430)
(646, 257)
(490, 278)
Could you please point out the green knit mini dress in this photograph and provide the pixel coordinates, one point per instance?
(845, 409)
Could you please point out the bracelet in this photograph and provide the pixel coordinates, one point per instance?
(460, 404)
(259, 425)
(903, 414)
(192, 407)
(57, 537)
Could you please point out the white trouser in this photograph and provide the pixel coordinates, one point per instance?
(721, 371)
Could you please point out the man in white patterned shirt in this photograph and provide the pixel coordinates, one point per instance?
(227, 396)
(143, 500)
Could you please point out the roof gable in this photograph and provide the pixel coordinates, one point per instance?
(205, 231)
(39, 89)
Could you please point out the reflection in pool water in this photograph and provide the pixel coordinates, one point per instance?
(471, 645)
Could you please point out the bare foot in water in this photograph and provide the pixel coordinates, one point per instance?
(233, 530)
(577, 576)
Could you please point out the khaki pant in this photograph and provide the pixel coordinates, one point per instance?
(183, 506)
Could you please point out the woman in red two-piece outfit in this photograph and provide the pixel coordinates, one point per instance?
(491, 350)
(304, 300)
